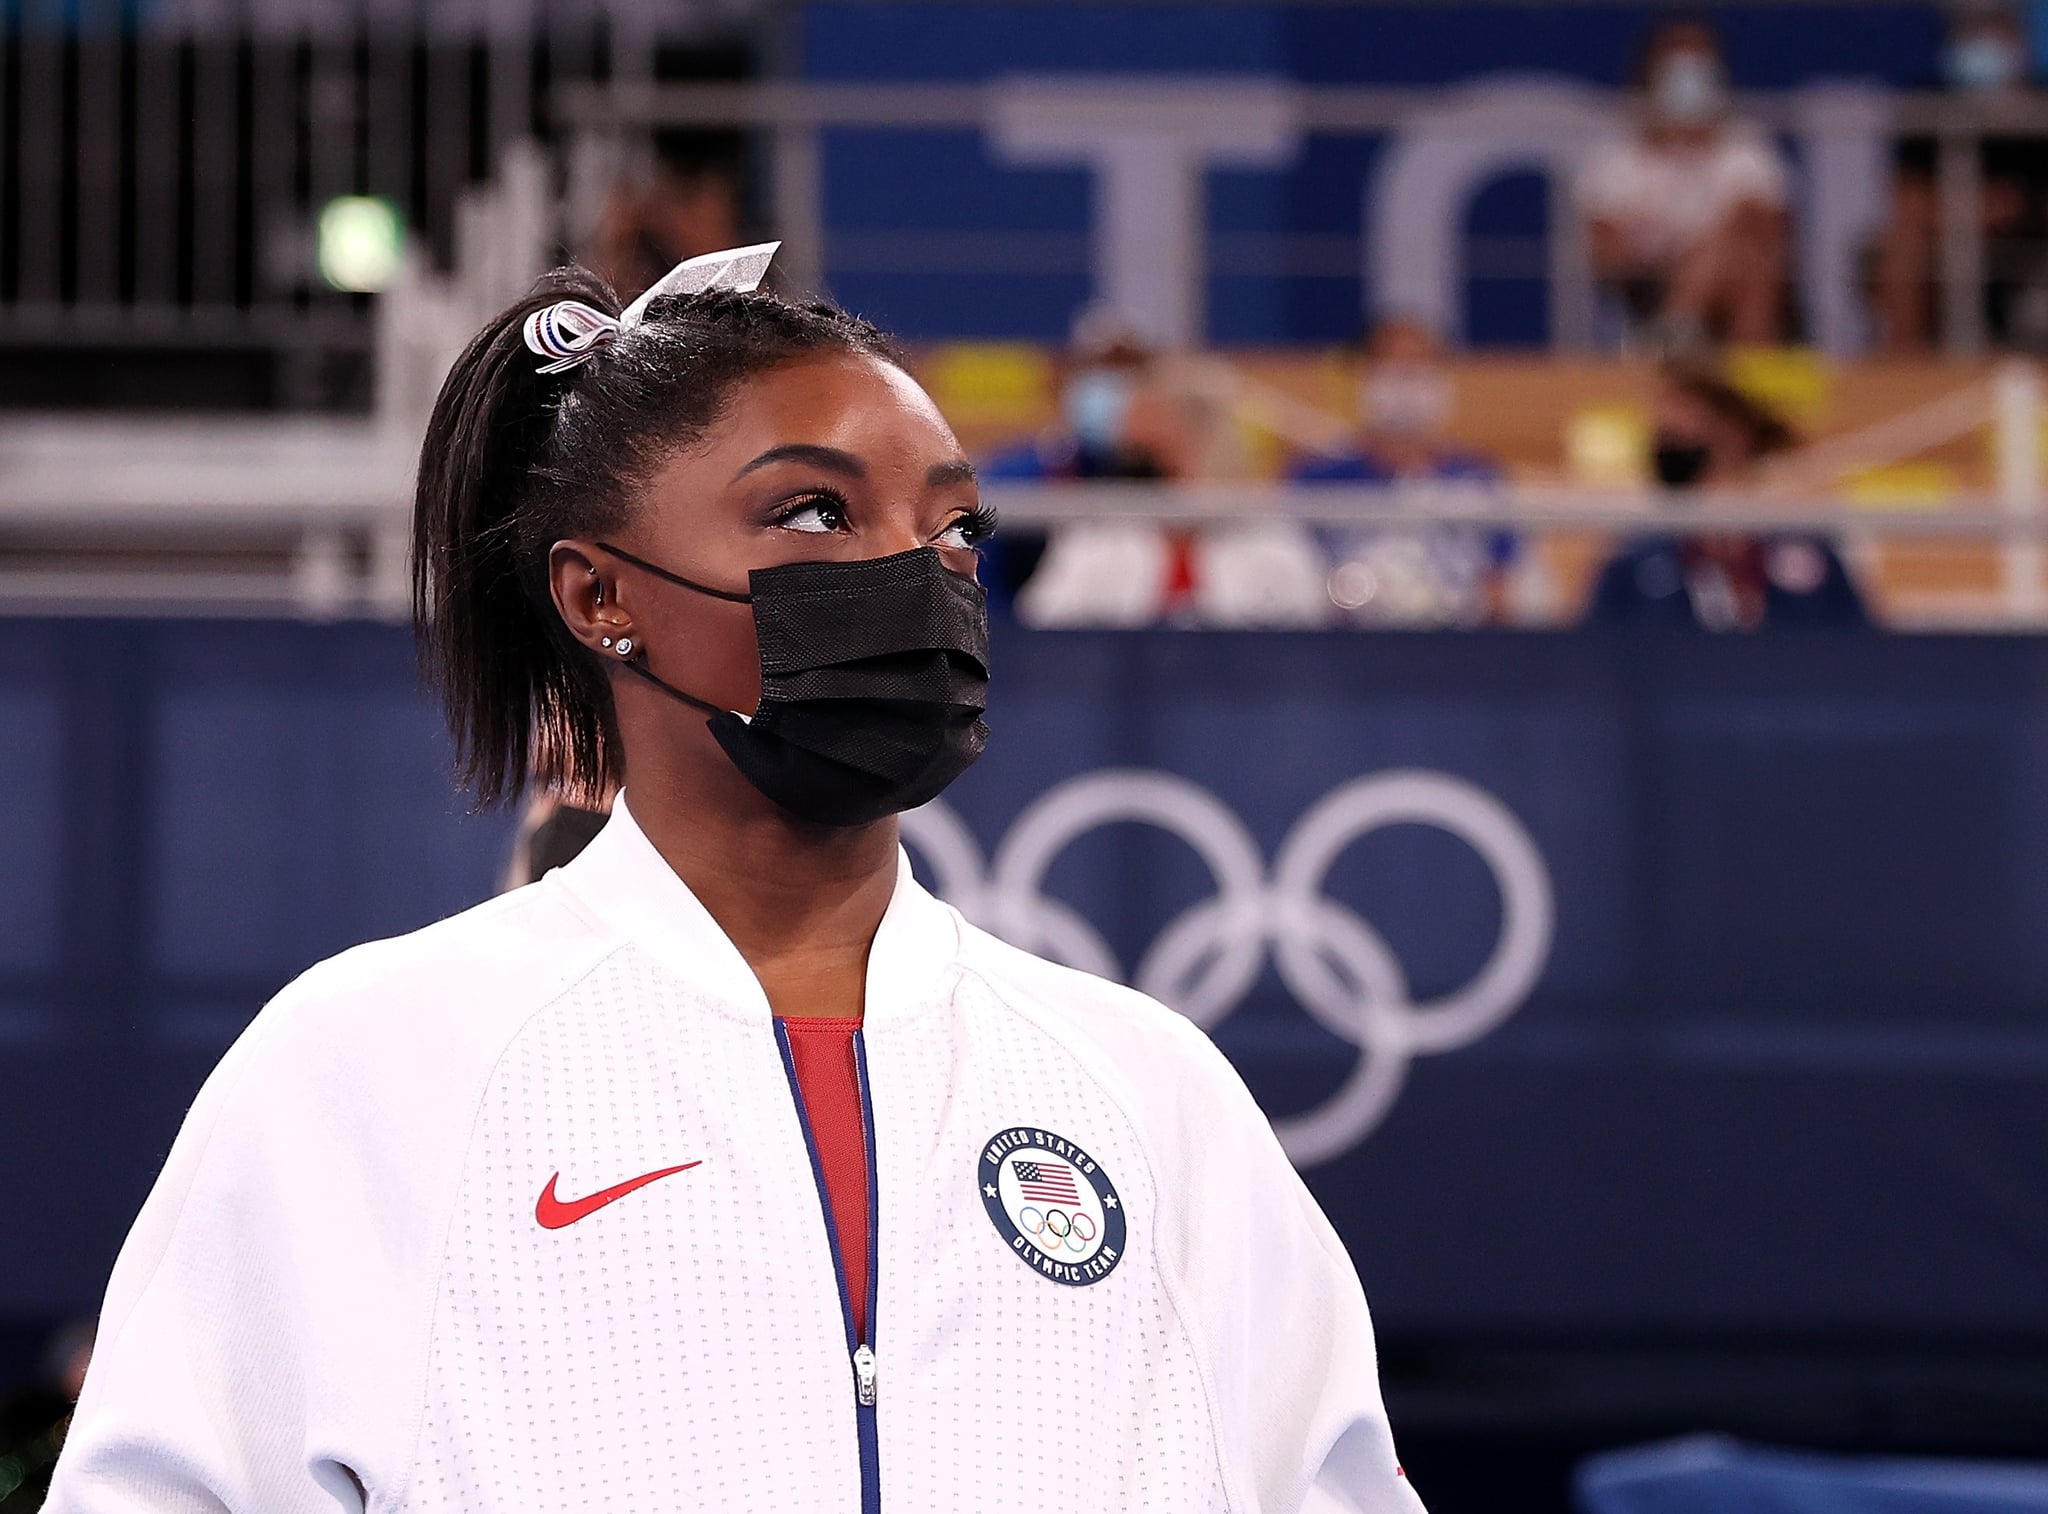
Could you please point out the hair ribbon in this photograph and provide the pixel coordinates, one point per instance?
(570, 333)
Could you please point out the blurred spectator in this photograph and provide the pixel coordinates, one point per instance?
(1405, 398)
(1985, 63)
(690, 204)
(1710, 435)
(1105, 365)
(1128, 414)
(33, 1421)
(1247, 573)
(1444, 575)
(1687, 218)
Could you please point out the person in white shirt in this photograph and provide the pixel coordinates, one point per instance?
(723, 1168)
(1174, 423)
(1687, 217)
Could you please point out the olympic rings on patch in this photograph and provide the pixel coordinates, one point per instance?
(1039, 1226)
(1204, 963)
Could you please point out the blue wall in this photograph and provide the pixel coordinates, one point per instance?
(1028, 226)
(193, 814)
(1784, 1073)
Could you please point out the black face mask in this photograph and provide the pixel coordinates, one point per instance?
(1679, 464)
(874, 675)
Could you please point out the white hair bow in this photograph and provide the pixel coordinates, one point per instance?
(569, 333)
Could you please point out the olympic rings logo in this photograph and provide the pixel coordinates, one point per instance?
(1055, 1228)
(1204, 962)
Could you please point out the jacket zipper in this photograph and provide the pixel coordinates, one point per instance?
(861, 1353)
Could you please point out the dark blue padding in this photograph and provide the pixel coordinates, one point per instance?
(1713, 1475)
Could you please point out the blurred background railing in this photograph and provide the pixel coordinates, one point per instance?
(166, 172)
(299, 210)
(165, 177)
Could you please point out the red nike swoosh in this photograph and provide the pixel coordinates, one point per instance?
(553, 1213)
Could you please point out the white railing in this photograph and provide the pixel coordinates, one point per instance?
(312, 520)
(310, 517)
(295, 515)
(1412, 241)
(161, 186)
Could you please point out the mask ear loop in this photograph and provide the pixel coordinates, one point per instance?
(637, 664)
(677, 578)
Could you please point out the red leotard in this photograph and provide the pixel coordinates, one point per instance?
(821, 1051)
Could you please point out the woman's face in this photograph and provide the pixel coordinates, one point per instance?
(1686, 84)
(1683, 420)
(835, 457)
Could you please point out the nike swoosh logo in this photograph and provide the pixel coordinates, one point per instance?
(554, 1213)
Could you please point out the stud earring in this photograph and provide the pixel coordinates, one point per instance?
(625, 647)
(604, 641)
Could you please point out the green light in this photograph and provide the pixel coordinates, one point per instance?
(361, 243)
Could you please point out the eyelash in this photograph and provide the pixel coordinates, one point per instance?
(976, 527)
(828, 501)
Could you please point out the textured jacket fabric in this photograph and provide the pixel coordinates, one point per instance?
(339, 1295)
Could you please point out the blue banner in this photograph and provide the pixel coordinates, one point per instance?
(1007, 249)
(1631, 987)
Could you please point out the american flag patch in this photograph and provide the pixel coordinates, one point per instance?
(1047, 1182)
(1054, 1209)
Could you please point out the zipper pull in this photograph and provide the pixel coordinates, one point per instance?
(864, 1375)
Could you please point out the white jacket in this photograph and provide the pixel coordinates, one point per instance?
(339, 1294)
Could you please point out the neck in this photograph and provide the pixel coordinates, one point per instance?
(801, 902)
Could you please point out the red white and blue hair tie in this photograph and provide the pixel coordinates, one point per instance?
(570, 333)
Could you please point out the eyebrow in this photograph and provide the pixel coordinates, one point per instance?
(829, 458)
(954, 471)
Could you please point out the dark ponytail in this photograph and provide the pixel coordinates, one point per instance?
(515, 460)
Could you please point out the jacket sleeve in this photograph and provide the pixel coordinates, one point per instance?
(1273, 1303)
(225, 1377)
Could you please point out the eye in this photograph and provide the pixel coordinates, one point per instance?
(969, 530)
(819, 513)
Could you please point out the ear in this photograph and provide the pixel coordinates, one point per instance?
(586, 595)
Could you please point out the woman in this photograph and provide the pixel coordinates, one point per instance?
(1708, 435)
(1686, 217)
(724, 1168)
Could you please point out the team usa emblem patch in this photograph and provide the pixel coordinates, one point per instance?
(1052, 1205)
